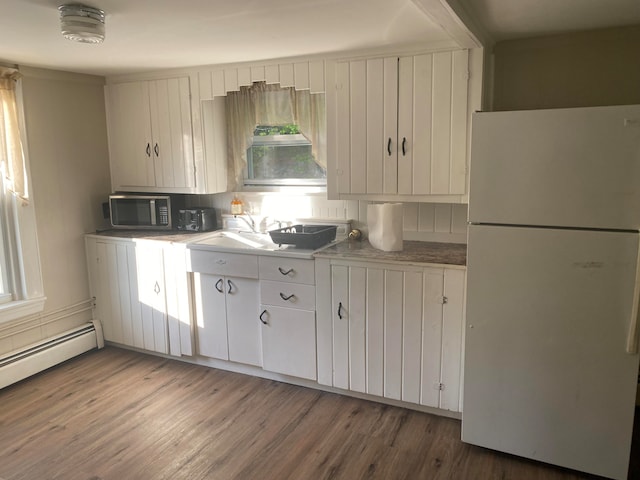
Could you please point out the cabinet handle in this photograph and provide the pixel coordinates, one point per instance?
(156, 150)
(285, 272)
(229, 284)
(285, 297)
(404, 142)
(340, 310)
(262, 319)
(389, 146)
(156, 288)
(148, 150)
(219, 285)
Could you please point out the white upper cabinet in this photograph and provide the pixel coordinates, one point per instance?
(150, 136)
(398, 126)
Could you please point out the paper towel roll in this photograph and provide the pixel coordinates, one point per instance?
(385, 226)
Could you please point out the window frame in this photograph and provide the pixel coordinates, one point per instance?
(20, 240)
(284, 140)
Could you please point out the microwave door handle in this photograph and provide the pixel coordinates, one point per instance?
(152, 206)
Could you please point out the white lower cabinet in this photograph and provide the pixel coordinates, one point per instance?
(289, 341)
(227, 324)
(288, 317)
(393, 331)
(226, 300)
(130, 282)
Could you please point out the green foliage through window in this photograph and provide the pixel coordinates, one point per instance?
(280, 154)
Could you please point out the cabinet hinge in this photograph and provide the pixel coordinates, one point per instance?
(443, 300)
(93, 302)
(438, 386)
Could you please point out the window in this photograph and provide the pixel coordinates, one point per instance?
(281, 155)
(20, 275)
(276, 136)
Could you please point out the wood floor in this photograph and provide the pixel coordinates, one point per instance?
(116, 414)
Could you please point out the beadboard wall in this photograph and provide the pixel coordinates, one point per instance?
(422, 221)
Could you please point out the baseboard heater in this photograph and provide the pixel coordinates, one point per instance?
(20, 364)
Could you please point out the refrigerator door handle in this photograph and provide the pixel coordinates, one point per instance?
(632, 338)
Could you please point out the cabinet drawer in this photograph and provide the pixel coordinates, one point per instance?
(287, 270)
(218, 263)
(285, 294)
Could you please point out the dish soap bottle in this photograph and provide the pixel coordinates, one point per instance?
(236, 206)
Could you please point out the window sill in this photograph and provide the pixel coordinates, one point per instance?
(21, 308)
(291, 189)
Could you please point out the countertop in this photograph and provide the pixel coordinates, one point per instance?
(192, 240)
(413, 252)
(173, 236)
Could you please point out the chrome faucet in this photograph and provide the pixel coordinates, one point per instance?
(250, 223)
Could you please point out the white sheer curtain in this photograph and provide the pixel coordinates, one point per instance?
(11, 151)
(262, 104)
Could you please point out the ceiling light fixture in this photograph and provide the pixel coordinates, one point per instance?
(81, 23)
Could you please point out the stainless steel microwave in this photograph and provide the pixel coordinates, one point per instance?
(154, 212)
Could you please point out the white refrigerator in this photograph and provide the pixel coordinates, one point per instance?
(551, 355)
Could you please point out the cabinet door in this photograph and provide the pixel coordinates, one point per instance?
(453, 340)
(377, 331)
(432, 301)
(393, 335)
(401, 125)
(289, 341)
(172, 142)
(178, 288)
(105, 291)
(151, 296)
(243, 325)
(211, 315)
(130, 294)
(340, 319)
(129, 127)
(432, 123)
(367, 148)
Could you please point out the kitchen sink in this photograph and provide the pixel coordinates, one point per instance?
(239, 240)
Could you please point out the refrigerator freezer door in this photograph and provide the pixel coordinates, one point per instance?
(546, 373)
(575, 167)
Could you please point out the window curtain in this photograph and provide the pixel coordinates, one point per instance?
(11, 151)
(263, 104)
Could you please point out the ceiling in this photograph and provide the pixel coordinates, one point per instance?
(143, 35)
(510, 19)
(155, 34)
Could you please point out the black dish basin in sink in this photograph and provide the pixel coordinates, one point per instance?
(304, 236)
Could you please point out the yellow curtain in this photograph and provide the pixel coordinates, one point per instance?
(263, 104)
(11, 151)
